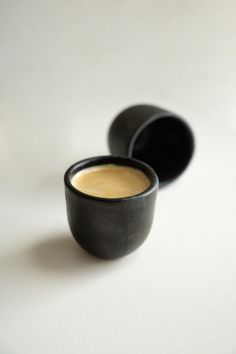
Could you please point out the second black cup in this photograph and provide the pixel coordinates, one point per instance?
(154, 135)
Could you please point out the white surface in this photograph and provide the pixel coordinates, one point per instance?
(67, 67)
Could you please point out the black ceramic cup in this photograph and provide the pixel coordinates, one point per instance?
(110, 227)
(154, 135)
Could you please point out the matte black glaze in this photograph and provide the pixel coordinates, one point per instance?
(154, 135)
(110, 227)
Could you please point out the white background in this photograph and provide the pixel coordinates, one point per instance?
(67, 68)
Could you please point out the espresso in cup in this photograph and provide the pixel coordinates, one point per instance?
(111, 181)
(111, 226)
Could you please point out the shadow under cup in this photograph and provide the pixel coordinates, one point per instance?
(110, 227)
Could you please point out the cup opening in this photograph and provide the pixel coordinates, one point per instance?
(166, 144)
(117, 160)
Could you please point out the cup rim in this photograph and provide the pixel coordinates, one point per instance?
(97, 160)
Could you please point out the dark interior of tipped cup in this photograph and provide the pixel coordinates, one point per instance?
(167, 145)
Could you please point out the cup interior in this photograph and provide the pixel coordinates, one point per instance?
(117, 160)
(164, 143)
